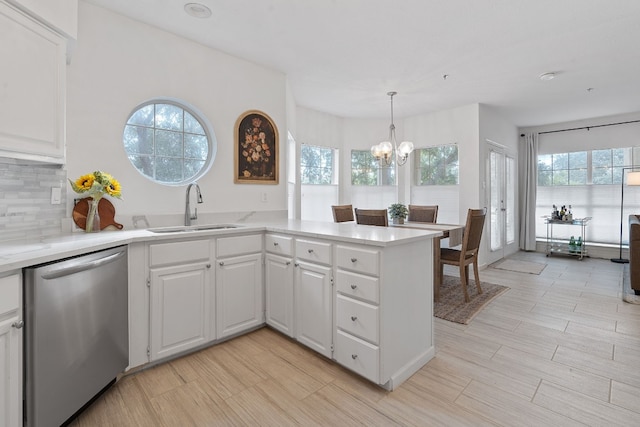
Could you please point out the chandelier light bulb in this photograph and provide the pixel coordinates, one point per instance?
(385, 148)
(405, 148)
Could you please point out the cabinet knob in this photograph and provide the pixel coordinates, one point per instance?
(310, 251)
(354, 286)
(208, 266)
(221, 263)
(288, 263)
(296, 264)
(354, 318)
(18, 325)
(275, 243)
(354, 259)
(354, 356)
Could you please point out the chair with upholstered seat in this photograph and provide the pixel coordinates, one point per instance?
(419, 213)
(468, 254)
(342, 213)
(372, 217)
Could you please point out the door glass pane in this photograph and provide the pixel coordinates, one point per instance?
(496, 165)
(510, 216)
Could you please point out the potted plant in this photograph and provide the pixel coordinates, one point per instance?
(398, 212)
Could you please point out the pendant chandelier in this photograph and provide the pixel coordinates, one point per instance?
(386, 149)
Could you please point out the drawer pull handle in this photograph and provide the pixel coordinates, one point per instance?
(221, 263)
(310, 251)
(275, 243)
(354, 286)
(354, 356)
(354, 318)
(18, 325)
(354, 259)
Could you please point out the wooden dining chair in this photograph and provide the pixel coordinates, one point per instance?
(468, 254)
(418, 213)
(342, 213)
(372, 217)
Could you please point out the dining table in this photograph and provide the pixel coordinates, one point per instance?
(453, 232)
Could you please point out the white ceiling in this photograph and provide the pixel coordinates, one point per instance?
(343, 56)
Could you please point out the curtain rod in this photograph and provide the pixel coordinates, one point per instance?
(586, 127)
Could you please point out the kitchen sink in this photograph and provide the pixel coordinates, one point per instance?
(191, 228)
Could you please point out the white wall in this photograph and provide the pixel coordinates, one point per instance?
(458, 126)
(118, 64)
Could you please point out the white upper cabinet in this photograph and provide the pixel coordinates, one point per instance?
(32, 88)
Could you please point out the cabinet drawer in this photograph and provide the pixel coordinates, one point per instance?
(357, 355)
(9, 293)
(309, 250)
(280, 245)
(238, 245)
(358, 259)
(357, 318)
(178, 252)
(358, 286)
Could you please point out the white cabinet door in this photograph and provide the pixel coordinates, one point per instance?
(313, 306)
(239, 294)
(10, 351)
(180, 308)
(32, 89)
(279, 293)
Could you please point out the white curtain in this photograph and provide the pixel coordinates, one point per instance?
(528, 187)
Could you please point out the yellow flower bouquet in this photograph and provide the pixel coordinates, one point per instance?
(96, 185)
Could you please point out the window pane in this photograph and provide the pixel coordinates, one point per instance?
(168, 117)
(316, 165)
(437, 165)
(196, 147)
(560, 161)
(545, 178)
(138, 140)
(601, 176)
(577, 177)
(168, 169)
(192, 125)
(578, 160)
(560, 177)
(142, 117)
(191, 168)
(144, 164)
(601, 158)
(366, 170)
(168, 143)
(618, 156)
(544, 162)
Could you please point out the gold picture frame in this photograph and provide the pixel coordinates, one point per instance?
(256, 150)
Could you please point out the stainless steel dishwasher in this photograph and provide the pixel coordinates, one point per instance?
(76, 333)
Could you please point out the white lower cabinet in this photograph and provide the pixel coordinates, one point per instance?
(180, 292)
(180, 308)
(313, 306)
(279, 293)
(239, 300)
(11, 337)
(239, 284)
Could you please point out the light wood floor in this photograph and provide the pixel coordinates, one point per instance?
(558, 349)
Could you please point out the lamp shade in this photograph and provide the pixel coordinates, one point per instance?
(633, 178)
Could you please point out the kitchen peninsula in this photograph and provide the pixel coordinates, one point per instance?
(359, 295)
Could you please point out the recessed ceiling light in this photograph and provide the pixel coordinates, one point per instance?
(197, 10)
(547, 76)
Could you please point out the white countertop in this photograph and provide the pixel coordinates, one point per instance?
(16, 255)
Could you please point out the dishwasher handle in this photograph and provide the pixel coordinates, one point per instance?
(66, 271)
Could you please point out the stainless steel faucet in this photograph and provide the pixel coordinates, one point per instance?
(187, 208)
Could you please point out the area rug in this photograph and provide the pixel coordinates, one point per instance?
(520, 266)
(452, 307)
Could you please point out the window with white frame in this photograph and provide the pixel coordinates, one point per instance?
(169, 142)
(366, 170)
(436, 165)
(317, 165)
(590, 182)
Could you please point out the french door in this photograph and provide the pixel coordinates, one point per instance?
(501, 188)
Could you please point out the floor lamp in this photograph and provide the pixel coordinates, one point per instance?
(633, 179)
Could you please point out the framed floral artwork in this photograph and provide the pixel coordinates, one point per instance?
(256, 152)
